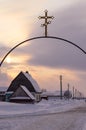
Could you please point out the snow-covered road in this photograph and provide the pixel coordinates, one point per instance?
(74, 119)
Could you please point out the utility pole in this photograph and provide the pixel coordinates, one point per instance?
(68, 86)
(61, 87)
(73, 92)
(68, 91)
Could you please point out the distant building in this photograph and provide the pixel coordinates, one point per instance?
(51, 95)
(56, 95)
(2, 93)
(23, 89)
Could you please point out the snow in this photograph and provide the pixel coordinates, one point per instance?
(37, 116)
(43, 107)
(27, 92)
(34, 83)
(10, 92)
(3, 89)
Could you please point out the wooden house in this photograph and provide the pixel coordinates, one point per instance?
(24, 89)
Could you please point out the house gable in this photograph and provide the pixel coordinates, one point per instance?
(22, 93)
(22, 79)
(19, 93)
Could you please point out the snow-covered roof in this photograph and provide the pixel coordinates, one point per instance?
(34, 83)
(3, 88)
(27, 92)
(51, 93)
(9, 92)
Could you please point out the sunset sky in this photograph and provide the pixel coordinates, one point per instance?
(45, 59)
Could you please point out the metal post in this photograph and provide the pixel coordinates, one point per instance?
(73, 92)
(61, 87)
(68, 91)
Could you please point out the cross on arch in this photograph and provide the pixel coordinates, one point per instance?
(46, 17)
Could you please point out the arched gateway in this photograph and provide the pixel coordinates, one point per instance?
(46, 17)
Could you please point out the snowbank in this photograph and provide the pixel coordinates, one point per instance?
(43, 107)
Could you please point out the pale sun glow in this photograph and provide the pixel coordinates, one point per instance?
(8, 60)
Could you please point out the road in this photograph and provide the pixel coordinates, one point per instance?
(71, 120)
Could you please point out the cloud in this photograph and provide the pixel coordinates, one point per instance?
(69, 24)
(57, 56)
(6, 78)
(3, 50)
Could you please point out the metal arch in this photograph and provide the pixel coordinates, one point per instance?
(34, 38)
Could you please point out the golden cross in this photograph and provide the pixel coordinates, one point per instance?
(46, 17)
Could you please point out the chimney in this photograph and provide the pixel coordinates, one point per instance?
(27, 72)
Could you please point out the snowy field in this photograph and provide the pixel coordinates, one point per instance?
(43, 107)
(39, 116)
